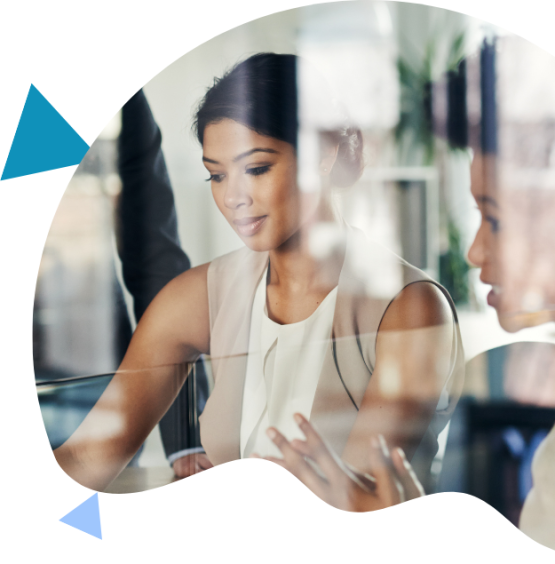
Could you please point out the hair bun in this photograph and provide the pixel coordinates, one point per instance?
(349, 164)
(261, 93)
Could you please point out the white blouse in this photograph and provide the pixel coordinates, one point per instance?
(537, 519)
(283, 369)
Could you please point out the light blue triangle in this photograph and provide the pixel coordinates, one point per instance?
(85, 517)
(44, 140)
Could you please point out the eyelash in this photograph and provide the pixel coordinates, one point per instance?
(259, 170)
(493, 222)
(255, 171)
(215, 177)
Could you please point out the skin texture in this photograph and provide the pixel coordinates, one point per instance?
(253, 179)
(247, 184)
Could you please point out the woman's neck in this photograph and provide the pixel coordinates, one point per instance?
(299, 281)
(295, 269)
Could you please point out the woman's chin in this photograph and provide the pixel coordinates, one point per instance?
(265, 241)
(257, 244)
(513, 322)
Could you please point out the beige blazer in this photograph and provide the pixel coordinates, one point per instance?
(349, 361)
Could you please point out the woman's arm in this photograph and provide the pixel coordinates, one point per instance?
(413, 360)
(174, 330)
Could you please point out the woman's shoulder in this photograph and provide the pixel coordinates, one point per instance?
(409, 298)
(177, 320)
(220, 272)
(193, 280)
(197, 278)
(232, 276)
(199, 275)
(365, 258)
(418, 305)
(235, 261)
(183, 299)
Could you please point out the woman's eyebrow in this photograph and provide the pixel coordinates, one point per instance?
(243, 155)
(256, 150)
(487, 200)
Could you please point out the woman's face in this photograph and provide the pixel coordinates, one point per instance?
(484, 251)
(500, 251)
(254, 183)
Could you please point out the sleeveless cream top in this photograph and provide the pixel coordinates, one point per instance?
(349, 358)
(537, 519)
(283, 368)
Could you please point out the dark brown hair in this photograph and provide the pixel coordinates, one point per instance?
(261, 93)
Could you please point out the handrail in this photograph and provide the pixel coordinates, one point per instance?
(71, 379)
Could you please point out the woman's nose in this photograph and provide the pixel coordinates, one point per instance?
(478, 252)
(236, 194)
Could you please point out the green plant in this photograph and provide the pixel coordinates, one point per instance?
(453, 267)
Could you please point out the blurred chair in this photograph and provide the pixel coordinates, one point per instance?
(507, 408)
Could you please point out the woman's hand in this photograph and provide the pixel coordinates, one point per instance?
(191, 464)
(392, 481)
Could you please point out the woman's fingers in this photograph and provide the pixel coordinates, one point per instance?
(203, 462)
(395, 479)
(297, 465)
(294, 461)
(406, 475)
(365, 481)
(315, 448)
(185, 466)
(301, 447)
(278, 461)
(387, 488)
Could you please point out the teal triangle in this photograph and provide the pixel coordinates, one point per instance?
(85, 517)
(44, 140)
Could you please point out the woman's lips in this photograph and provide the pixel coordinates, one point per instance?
(249, 226)
(494, 297)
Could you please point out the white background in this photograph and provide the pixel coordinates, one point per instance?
(87, 59)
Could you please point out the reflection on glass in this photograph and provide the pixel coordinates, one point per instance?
(66, 403)
(363, 156)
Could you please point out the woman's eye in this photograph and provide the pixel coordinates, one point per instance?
(494, 223)
(257, 171)
(215, 178)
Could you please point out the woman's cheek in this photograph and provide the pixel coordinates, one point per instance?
(218, 200)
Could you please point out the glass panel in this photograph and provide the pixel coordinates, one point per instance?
(86, 412)
(345, 169)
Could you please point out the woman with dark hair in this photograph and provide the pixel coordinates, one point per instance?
(287, 329)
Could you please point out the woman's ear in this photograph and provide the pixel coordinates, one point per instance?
(329, 156)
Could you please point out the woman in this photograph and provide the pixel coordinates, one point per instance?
(286, 331)
(515, 236)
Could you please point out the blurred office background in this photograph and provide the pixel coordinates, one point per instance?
(423, 84)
